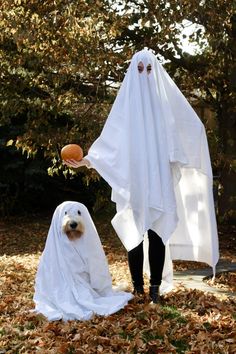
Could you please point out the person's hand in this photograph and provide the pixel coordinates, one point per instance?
(77, 164)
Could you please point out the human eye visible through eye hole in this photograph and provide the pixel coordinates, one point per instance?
(149, 68)
(140, 67)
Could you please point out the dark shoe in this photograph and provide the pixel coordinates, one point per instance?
(139, 294)
(154, 294)
(138, 290)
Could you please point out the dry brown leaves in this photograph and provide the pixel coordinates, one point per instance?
(188, 321)
(225, 281)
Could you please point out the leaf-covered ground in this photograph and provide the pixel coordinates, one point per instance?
(188, 321)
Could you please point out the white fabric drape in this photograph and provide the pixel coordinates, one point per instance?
(154, 154)
(73, 279)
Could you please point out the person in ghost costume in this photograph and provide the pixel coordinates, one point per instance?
(153, 152)
(73, 280)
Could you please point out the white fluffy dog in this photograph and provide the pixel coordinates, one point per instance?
(73, 224)
(73, 279)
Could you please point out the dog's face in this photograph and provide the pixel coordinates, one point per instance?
(72, 225)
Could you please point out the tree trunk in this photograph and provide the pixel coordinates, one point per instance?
(227, 179)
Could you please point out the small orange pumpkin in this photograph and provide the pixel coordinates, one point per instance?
(72, 152)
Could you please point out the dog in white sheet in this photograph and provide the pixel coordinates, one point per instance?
(73, 279)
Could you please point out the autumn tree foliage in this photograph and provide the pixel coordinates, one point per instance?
(56, 60)
(62, 62)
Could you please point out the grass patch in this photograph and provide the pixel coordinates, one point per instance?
(126, 336)
(180, 345)
(207, 325)
(148, 336)
(171, 312)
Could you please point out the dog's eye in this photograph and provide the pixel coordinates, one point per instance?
(65, 212)
(79, 212)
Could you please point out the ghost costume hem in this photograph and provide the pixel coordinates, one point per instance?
(73, 280)
(153, 152)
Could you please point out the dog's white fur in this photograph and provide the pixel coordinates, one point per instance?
(73, 225)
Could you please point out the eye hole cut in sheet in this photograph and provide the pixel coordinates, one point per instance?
(141, 67)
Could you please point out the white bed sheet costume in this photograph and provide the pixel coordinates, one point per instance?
(153, 152)
(73, 280)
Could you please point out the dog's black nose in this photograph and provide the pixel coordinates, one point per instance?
(73, 225)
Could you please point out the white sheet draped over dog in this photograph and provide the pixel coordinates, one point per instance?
(73, 279)
(154, 154)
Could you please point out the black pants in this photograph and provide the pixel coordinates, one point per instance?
(156, 254)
